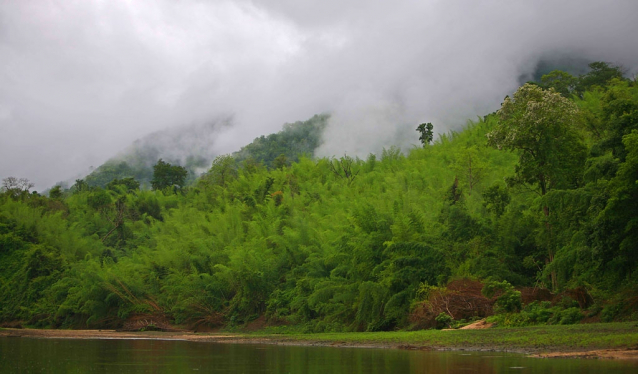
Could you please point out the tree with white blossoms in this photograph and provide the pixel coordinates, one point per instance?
(540, 125)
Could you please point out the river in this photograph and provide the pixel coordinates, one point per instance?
(32, 355)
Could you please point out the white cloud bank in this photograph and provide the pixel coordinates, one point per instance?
(82, 79)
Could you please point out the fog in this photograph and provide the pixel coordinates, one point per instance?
(80, 80)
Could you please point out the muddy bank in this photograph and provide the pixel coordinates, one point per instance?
(622, 354)
(187, 336)
(547, 352)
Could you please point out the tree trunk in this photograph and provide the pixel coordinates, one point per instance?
(550, 252)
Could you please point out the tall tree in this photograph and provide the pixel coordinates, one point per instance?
(222, 171)
(167, 175)
(619, 112)
(563, 82)
(80, 186)
(425, 129)
(601, 74)
(541, 126)
(614, 232)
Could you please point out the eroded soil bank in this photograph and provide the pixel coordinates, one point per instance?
(541, 352)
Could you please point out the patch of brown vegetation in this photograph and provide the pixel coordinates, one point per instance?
(148, 322)
(582, 297)
(256, 324)
(262, 322)
(461, 299)
(531, 294)
(11, 324)
(208, 320)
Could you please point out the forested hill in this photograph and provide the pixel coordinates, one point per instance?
(528, 215)
(188, 146)
(295, 140)
(191, 147)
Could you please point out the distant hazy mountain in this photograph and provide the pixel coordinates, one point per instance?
(296, 139)
(191, 147)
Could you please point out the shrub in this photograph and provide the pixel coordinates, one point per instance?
(443, 320)
(461, 299)
(510, 319)
(538, 312)
(610, 312)
(509, 300)
(567, 316)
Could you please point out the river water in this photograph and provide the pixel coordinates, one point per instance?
(29, 355)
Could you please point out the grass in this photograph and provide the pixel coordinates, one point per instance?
(533, 338)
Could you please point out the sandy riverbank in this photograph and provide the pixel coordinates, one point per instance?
(547, 352)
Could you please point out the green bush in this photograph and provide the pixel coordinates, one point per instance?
(443, 320)
(538, 312)
(510, 319)
(594, 310)
(508, 302)
(610, 312)
(567, 316)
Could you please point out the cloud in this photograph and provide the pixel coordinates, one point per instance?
(80, 79)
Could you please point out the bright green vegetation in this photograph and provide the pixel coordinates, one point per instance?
(541, 194)
(532, 338)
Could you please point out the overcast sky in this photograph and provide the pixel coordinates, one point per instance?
(82, 79)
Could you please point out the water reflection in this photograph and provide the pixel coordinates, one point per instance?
(25, 355)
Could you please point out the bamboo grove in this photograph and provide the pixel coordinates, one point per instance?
(542, 193)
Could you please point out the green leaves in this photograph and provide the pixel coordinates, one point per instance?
(564, 83)
(495, 199)
(508, 299)
(426, 134)
(541, 126)
(167, 175)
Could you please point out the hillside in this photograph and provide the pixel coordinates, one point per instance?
(527, 215)
(295, 140)
(192, 147)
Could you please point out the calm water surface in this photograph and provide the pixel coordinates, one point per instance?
(28, 355)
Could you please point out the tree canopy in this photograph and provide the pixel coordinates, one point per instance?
(541, 126)
(167, 175)
(426, 134)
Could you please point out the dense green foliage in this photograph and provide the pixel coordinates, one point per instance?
(166, 175)
(346, 244)
(296, 139)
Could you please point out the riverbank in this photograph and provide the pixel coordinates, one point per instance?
(608, 340)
